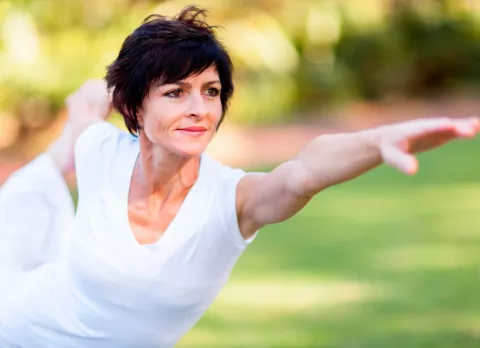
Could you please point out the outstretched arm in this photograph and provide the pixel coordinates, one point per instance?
(266, 198)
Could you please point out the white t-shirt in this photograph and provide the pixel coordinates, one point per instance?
(111, 291)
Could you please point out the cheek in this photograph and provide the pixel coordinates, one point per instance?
(216, 113)
(159, 118)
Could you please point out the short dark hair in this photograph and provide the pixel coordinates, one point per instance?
(166, 50)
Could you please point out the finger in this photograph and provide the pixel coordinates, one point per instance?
(420, 127)
(464, 131)
(467, 127)
(399, 159)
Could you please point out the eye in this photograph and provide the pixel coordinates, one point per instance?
(212, 92)
(174, 94)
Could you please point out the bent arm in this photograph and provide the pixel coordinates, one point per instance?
(89, 105)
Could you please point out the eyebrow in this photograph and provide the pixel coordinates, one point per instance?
(186, 84)
(212, 82)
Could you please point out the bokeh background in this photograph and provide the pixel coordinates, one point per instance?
(383, 261)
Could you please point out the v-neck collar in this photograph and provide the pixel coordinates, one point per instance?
(172, 229)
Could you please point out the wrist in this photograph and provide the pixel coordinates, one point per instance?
(61, 152)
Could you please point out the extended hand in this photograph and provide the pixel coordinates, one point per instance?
(398, 142)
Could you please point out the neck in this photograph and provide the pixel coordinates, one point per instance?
(162, 173)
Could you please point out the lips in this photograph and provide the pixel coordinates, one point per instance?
(193, 129)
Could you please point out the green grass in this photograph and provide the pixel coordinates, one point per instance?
(383, 261)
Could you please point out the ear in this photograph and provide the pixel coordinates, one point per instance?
(140, 119)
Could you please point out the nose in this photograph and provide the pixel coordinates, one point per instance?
(197, 105)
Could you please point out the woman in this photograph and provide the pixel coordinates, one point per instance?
(159, 224)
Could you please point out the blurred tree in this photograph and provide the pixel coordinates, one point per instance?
(289, 56)
(420, 50)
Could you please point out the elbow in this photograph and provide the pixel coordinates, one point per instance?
(304, 182)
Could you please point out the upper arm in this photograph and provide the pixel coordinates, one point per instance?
(267, 198)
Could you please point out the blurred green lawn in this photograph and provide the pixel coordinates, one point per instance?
(383, 261)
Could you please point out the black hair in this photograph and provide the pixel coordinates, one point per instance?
(166, 50)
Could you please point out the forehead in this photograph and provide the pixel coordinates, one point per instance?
(209, 74)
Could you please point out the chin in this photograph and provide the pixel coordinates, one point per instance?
(190, 151)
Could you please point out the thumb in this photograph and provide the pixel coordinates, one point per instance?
(401, 160)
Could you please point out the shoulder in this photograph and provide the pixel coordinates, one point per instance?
(225, 183)
(96, 137)
(220, 182)
(97, 149)
(99, 140)
(220, 174)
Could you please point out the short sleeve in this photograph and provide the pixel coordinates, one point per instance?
(226, 199)
(95, 151)
(90, 139)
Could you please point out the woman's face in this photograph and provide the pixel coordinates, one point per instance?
(183, 117)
